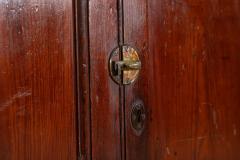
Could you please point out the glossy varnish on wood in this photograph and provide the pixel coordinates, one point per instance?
(37, 110)
(189, 81)
(105, 110)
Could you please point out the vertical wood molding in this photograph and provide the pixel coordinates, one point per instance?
(82, 78)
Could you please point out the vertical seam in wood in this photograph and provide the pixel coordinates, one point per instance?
(120, 12)
(76, 79)
(89, 87)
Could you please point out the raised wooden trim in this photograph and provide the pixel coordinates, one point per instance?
(82, 78)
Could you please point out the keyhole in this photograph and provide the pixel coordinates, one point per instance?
(138, 117)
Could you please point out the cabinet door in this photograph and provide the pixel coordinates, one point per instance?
(189, 82)
(188, 85)
(37, 106)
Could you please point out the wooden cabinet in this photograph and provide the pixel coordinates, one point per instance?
(58, 100)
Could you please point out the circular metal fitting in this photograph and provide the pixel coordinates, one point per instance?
(124, 65)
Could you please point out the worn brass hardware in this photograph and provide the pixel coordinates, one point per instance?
(124, 65)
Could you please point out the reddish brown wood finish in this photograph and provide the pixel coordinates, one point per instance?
(105, 110)
(37, 108)
(189, 81)
(136, 35)
(82, 80)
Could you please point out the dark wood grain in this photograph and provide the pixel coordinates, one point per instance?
(189, 82)
(37, 108)
(105, 110)
(82, 80)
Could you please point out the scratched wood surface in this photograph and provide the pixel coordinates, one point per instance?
(190, 78)
(105, 122)
(37, 110)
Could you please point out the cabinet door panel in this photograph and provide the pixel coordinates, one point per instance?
(37, 107)
(189, 81)
(105, 122)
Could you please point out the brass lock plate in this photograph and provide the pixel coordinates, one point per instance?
(124, 65)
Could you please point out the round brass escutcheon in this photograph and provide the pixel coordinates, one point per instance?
(124, 65)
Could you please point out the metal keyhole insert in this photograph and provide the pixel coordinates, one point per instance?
(138, 116)
(124, 65)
